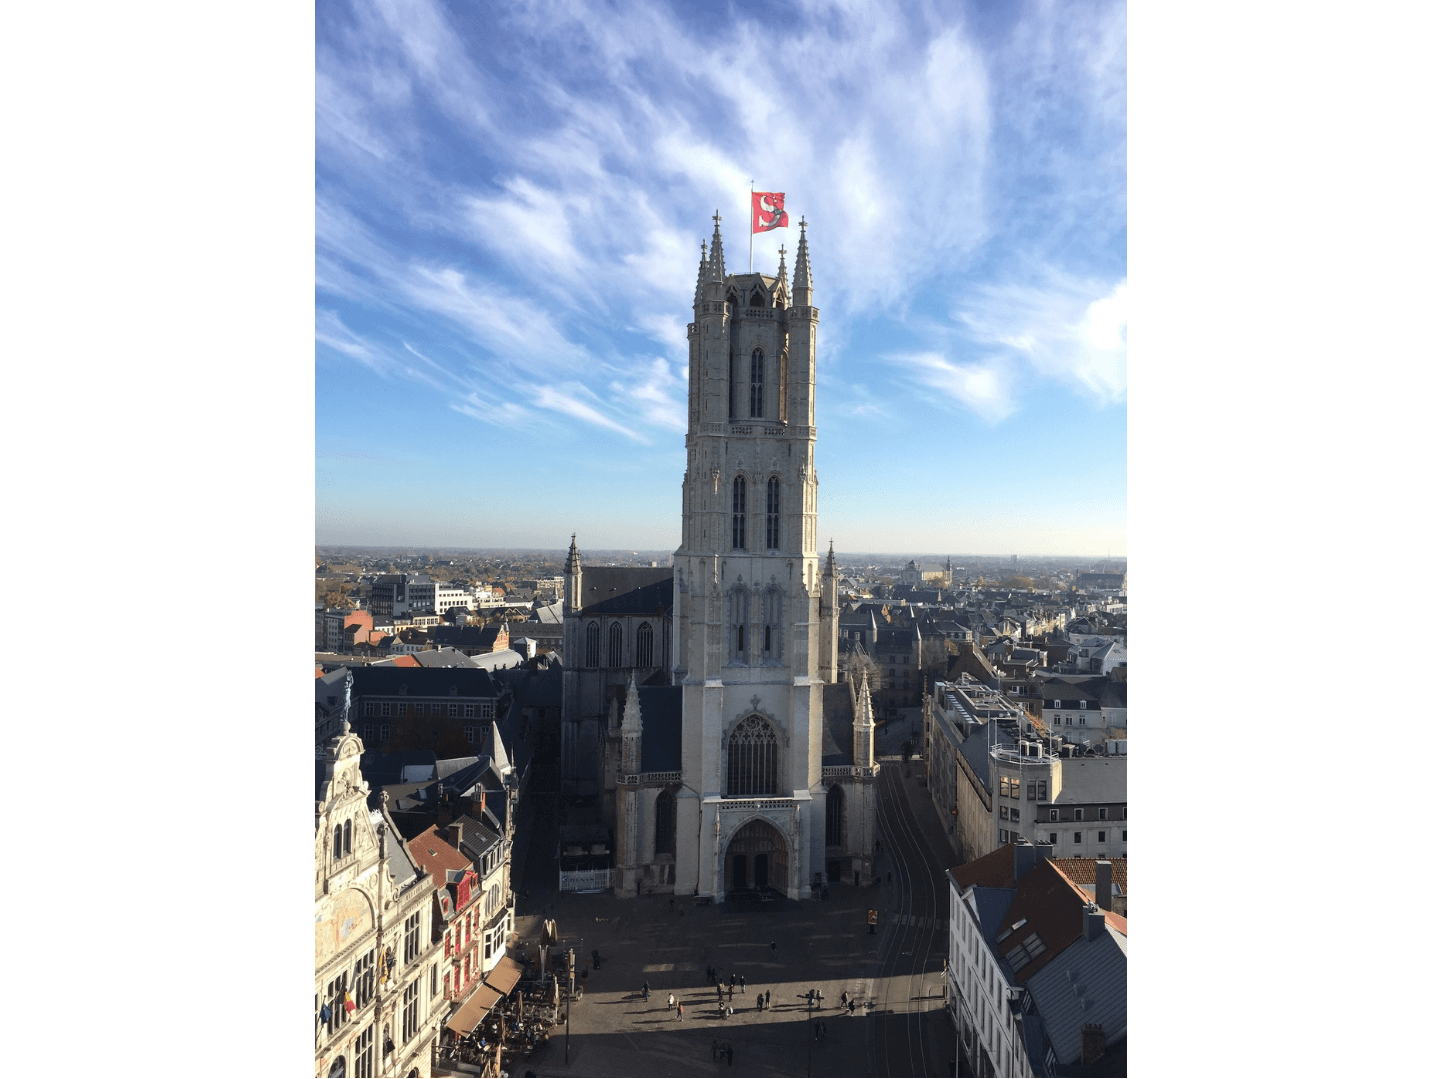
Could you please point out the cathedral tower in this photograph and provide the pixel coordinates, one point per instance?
(755, 617)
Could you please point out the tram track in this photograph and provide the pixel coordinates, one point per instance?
(899, 1044)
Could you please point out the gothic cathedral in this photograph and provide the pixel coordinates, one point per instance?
(769, 771)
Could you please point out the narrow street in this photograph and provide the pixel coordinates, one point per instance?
(912, 1033)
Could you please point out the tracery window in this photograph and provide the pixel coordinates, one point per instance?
(836, 817)
(738, 513)
(739, 602)
(593, 645)
(773, 513)
(643, 645)
(758, 390)
(613, 645)
(751, 754)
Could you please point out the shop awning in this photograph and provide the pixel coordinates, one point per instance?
(505, 976)
(473, 1010)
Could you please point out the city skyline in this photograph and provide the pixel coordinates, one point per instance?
(508, 227)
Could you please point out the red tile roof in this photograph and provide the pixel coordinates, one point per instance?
(1084, 870)
(405, 661)
(435, 855)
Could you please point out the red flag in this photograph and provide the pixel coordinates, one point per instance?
(768, 211)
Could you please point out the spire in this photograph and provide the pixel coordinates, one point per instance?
(781, 272)
(498, 750)
(716, 267)
(801, 283)
(572, 597)
(831, 558)
(701, 272)
(631, 730)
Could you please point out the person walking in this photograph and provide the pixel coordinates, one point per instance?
(645, 994)
(851, 1007)
(843, 998)
(823, 1030)
(733, 979)
(714, 1050)
(743, 983)
(768, 998)
(730, 1055)
(773, 947)
(670, 1001)
(680, 1011)
(731, 992)
(760, 1002)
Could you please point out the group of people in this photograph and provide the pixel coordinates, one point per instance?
(721, 1051)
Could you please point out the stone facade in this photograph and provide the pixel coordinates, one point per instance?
(378, 998)
(755, 617)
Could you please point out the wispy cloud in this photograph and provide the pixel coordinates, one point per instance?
(981, 388)
(1068, 329)
(526, 203)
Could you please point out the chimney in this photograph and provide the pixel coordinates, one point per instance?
(454, 828)
(1094, 921)
(1025, 855)
(1104, 885)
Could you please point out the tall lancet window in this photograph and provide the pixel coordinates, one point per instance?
(732, 379)
(773, 604)
(593, 645)
(773, 513)
(737, 618)
(613, 645)
(758, 373)
(835, 817)
(738, 513)
(643, 645)
(666, 823)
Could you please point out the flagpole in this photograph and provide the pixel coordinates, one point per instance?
(751, 228)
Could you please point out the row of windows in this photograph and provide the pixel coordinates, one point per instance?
(773, 606)
(1076, 837)
(1103, 813)
(401, 709)
(738, 513)
(615, 640)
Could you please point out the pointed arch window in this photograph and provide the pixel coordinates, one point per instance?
(644, 638)
(345, 839)
(731, 381)
(758, 389)
(836, 816)
(738, 513)
(773, 608)
(613, 645)
(335, 849)
(751, 753)
(593, 645)
(773, 514)
(739, 603)
(666, 823)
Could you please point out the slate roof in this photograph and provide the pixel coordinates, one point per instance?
(837, 728)
(425, 682)
(467, 636)
(384, 769)
(476, 837)
(600, 583)
(1085, 983)
(442, 657)
(660, 728)
(648, 599)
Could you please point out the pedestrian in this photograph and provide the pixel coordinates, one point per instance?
(646, 988)
(760, 1002)
(743, 983)
(843, 998)
(768, 998)
(816, 1032)
(851, 1007)
(670, 1001)
(733, 979)
(773, 946)
(731, 993)
(718, 990)
(714, 1049)
(680, 1011)
(823, 1030)
(730, 1055)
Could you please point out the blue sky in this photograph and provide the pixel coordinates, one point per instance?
(510, 201)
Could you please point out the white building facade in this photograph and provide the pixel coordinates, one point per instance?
(755, 617)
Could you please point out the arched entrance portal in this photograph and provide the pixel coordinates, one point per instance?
(756, 860)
